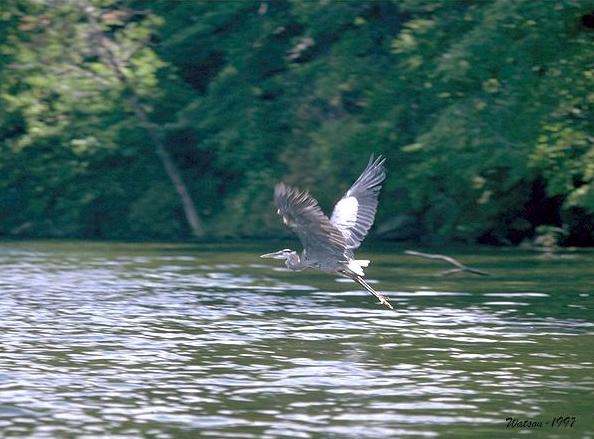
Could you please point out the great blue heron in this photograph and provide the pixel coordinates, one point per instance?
(329, 243)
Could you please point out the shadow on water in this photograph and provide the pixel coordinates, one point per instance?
(169, 340)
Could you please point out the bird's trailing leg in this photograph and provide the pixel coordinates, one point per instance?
(382, 299)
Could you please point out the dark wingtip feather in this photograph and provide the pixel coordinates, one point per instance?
(376, 161)
(280, 187)
(285, 195)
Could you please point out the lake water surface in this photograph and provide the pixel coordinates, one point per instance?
(165, 340)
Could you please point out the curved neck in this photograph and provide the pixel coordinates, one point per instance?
(293, 262)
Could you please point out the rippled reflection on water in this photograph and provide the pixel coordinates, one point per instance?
(185, 341)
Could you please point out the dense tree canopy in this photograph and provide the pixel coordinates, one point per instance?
(483, 109)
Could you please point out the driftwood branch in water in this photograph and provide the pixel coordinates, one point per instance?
(459, 266)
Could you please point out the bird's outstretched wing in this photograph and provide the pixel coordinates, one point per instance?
(354, 213)
(321, 240)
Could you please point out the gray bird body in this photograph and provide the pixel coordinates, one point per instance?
(329, 243)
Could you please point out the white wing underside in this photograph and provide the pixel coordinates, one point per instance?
(344, 217)
(354, 213)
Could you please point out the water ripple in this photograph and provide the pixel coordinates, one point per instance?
(141, 344)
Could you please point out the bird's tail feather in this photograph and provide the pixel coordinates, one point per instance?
(356, 266)
(382, 299)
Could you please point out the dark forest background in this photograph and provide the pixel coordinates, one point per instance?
(174, 119)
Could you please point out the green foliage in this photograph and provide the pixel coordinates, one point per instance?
(484, 110)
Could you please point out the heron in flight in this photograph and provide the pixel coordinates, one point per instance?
(329, 243)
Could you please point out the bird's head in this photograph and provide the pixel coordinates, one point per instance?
(281, 254)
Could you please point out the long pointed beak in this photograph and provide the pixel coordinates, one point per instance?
(268, 255)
